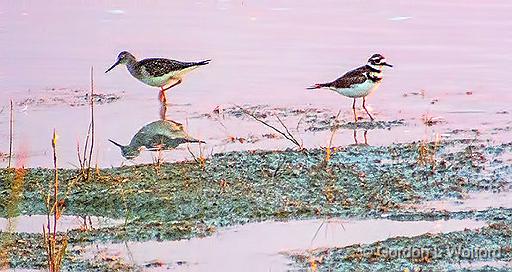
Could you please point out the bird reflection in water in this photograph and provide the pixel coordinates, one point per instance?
(364, 135)
(156, 136)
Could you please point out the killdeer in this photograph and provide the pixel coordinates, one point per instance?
(157, 72)
(359, 82)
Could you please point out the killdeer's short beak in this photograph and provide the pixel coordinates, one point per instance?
(387, 64)
(112, 67)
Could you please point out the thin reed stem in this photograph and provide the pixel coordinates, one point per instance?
(92, 125)
(11, 131)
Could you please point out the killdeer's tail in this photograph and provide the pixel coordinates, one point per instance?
(319, 85)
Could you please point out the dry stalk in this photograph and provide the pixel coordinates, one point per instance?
(55, 248)
(286, 134)
(201, 160)
(85, 160)
(334, 128)
(11, 131)
(427, 152)
(92, 124)
(159, 159)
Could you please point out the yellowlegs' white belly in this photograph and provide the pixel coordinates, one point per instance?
(358, 90)
(165, 79)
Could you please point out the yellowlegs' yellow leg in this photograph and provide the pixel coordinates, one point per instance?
(163, 112)
(177, 82)
(162, 96)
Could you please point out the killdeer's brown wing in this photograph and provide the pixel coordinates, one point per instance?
(356, 76)
(160, 67)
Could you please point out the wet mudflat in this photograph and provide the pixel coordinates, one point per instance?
(185, 200)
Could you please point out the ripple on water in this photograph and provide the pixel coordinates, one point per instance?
(473, 201)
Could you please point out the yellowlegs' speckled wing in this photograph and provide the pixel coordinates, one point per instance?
(157, 67)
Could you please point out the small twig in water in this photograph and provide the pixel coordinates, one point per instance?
(192, 154)
(319, 228)
(286, 134)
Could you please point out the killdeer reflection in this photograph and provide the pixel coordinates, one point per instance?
(157, 72)
(359, 82)
(158, 135)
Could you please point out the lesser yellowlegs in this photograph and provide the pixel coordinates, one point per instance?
(158, 135)
(157, 72)
(359, 82)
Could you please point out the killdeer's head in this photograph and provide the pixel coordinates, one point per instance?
(123, 58)
(378, 61)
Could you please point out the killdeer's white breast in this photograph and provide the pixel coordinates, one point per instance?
(359, 82)
(358, 90)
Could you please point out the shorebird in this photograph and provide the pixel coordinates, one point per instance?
(359, 82)
(157, 135)
(157, 72)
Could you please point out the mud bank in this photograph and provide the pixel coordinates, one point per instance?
(185, 200)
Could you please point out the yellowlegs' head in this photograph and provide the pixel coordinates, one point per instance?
(378, 61)
(123, 58)
(128, 152)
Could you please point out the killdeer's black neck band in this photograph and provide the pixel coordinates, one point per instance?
(373, 69)
(374, 79)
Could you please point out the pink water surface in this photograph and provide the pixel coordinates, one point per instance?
(264, 52)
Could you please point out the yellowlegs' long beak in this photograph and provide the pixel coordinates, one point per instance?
(192, 140)
(387, 64)
(119, 145)
(112, 67)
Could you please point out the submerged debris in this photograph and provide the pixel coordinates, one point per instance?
(309, 119)
(69, 97)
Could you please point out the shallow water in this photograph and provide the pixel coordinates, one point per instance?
(475, 201)
(263, 246)
(263, 52)
(34, 223)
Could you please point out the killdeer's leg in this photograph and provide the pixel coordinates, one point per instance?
(354, 110)
(365, 138)
(355, 136)
(364, 107)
